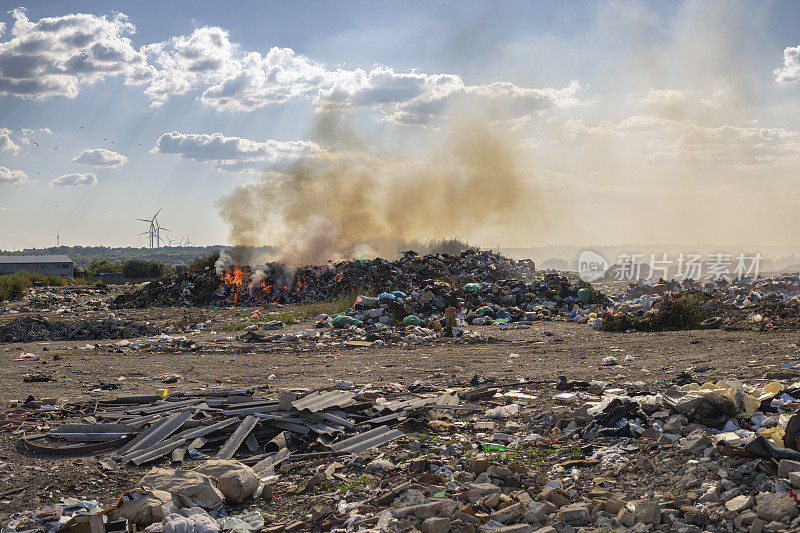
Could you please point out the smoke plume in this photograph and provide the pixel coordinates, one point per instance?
(361, 197)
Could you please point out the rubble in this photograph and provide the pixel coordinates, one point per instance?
(39, 328)
(761, 304)
(430, 458)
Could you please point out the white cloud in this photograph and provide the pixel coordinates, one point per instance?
(12, 176)
(791, 65)
(665, 96)
(87, 179)
(182, 62)
(417, 98)
(231, 153)
(100, 157)
(683, 142)
(42, 131)
(56, 55)
(6, 144)
(245, 81)
(276, 78)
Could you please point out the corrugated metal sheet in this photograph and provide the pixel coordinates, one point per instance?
(330, 417)
(27, 259)
(318, 401)
(367, 440)
(241, 433)
(386, 418)
(157, 432)
(407, 405)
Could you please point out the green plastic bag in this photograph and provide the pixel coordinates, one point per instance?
(344, 321)
(485, 310)
(413, 320)
(274, 324)
(583, 295)
(487, 447)
(472, 287)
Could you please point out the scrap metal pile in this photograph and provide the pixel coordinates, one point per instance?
(496, 457)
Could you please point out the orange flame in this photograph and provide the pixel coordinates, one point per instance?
(234, 278)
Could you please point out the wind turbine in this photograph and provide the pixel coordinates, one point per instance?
(159, 229)
(152, 233)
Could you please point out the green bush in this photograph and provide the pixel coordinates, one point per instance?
(679, 311)
(140, 269)
(13, 286)
(673, 312)
(102, 266)
(202, 262)
(617, 322)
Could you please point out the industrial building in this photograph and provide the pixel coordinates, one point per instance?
(57, 265)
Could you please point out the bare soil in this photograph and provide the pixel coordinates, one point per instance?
(542, 352)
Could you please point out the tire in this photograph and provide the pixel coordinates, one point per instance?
(711, 323)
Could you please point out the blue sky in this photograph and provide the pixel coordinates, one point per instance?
(680, 114)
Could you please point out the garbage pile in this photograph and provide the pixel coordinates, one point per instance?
(272, 283)
(764, 304)
(513, 457)
(39, 328)
(61, 300)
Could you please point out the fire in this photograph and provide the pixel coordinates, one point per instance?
(234, 278)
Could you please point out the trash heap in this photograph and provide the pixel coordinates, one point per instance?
(510, 457)
(439, 310)
(272, 283)
(62, 300)
(39, 328)
(764, 304)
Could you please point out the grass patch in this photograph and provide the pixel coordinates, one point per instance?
(299, 314)
(531, 457)
(358, 484)
(16, 285)
(430, 440)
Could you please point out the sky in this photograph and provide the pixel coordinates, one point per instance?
(509, 124)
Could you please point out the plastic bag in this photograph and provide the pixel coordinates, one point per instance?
(142, 507)
(705, 406)
(188, 488)
(235, 481)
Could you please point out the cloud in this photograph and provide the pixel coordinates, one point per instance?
(259, 81)
(231, 154)
(183, 62)
(88, 179)
(791, 65)
(56, 55)
(236, 80)
(12, 176)
(402, 97)
(6, 144)
(665, 96)
(684, 142)
(100, 157)
(42, 131)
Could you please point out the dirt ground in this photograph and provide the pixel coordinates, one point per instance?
(541, 352)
